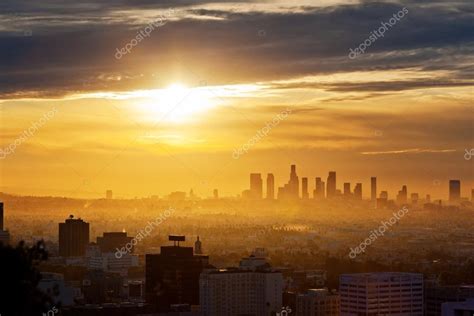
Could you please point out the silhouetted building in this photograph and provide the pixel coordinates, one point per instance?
(256, 186)
(198, 246)
(454, 191)
(1, 215)
(73, 237)
(428, 198)
(414, 198)
(319, 191)
(347, 189)
(270, 186)
(373, 189)
(304, 188)
(215, 193)
(317, 302)
(172, 277)
(177, 196)
(109, 195)
(358, 191)
(4, 234)
(110, 242)
(292, 188)
(331, 184)
(402, 196)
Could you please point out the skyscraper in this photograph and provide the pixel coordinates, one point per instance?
(256, 186)
(1, 215)
(4, 234)
(331, 184)
(270, 186)
(347, 189)
(358, 191)
(198, 246)
(319, 192)
(215, 193)
(291, 189)
(402, 196)
(454, 191)
(304, 188)
(109, 195)
(294, 184)
(384, 293)
(73, 237)
(373, 189)
(172, 277)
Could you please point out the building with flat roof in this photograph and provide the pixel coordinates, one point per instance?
(253, 288)
(384, 293)
(317, 302)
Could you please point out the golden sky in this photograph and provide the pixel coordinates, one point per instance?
(169, 114)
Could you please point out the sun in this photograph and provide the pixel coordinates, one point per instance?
(177, 102)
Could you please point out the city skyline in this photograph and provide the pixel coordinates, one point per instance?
(260, 178)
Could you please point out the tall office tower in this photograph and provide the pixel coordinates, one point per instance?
(331, 184)
(319, 192)
(4, 234)
(428, 198)
(472, 195)
(358, 191)
(256, 186)
(304, 188)
(1, 215)
(294, 184)
(347, 189)
(172, 277)
(454, 191)
(108, 194)
(317, 302)
(253, 288)
(384, 293)
(373, 189)
(198, 246)
(292, 188)
(414, 198)
(73, 237)
(270, 186)
(215, 193)
(402, 196)
(110, 242)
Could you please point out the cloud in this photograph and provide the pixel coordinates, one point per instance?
(73, 43)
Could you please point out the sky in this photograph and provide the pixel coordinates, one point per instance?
(219, 89)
